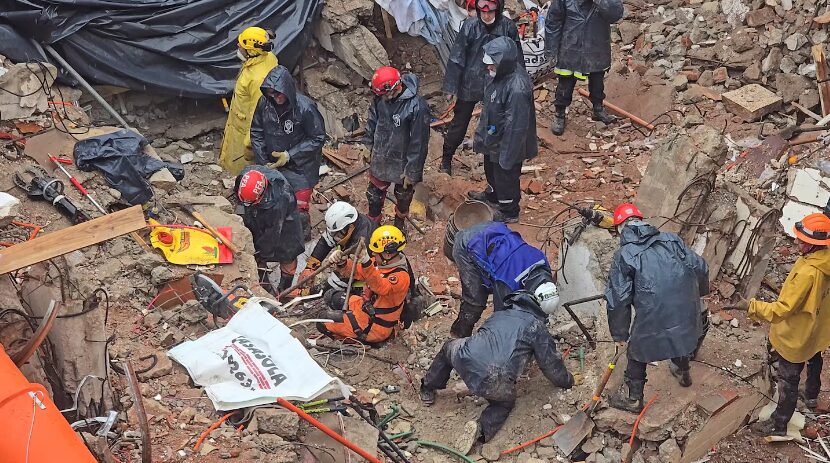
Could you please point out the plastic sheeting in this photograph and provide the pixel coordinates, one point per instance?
(179, 47)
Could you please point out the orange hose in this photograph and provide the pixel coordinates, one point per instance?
(211, 428)
(531, 442)
(311, 420)
(637, 421)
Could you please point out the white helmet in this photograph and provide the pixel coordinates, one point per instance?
(547, 296)
(339, 215)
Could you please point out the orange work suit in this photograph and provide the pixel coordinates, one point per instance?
(374, 316)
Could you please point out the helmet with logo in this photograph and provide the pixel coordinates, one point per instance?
(340, 215)
(813, 229)
(387, 238)
(385, 80)
(624, 212)
(547, 296)
(255, 40)
(252, 187)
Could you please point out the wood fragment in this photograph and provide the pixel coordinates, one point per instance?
(619, 111)
(58, 243)
(821, 76)
(806, 111)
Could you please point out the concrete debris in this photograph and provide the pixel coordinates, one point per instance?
(339, 31)
(163, 180)
(24, 79)
(670, 452)
(9, 208)
(283, 423)
(751, 102)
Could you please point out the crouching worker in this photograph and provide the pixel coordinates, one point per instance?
(493, 259)
(799, 322)
(272, 217)
(375, 315)
(344, 228)
(490, 361)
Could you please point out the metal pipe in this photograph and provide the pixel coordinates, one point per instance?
(138, 402)
(82, 81)
(39, 336)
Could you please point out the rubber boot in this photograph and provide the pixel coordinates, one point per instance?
(285, 282)
(629, 397)
(557, 126)
(305, 220)
(427, 395)
(768, 429)
(486, 196)
(500, 216)
(446, 165)
(468, 315)
(683, 376)
(601, 115)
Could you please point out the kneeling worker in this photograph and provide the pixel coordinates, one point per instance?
(490, 361)
(375, 315)
(493, 259)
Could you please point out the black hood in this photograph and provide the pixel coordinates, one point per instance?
(499, 13)
(504, 54)
(523, 300)
(280, 80)
(637, 232)
(410, 84)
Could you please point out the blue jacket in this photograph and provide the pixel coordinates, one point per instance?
(502, 255)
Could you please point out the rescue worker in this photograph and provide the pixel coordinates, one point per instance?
(287, 134)
(344, 228)
(272, 217)
(397, 138)
(663, 279)
(254, 49)
(375, 315)
(578, 41)
(492, 259)
(506, 133)
(466, 74)
(800, 322)
(491, 361)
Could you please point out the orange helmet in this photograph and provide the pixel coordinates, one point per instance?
(385, 80)
(813, 229)
(626, 211)
(252, 187)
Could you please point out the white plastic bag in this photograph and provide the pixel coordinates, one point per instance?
(253, 361)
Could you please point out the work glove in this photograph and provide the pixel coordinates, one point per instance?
(336, 257)
(741, 304)
(280, 158)
(407, 182)
(451, 99)
(363, 256)
(578, 379)
(366, 153)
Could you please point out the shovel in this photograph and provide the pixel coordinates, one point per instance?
(580, 425)
(793, 130)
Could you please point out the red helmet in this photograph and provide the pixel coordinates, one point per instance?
(626, 211)
(385, 80)
(252, 187)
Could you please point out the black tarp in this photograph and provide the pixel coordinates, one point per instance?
(178, 47)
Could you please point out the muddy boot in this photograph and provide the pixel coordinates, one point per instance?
(486, 196)
(500, 216)
(601, 115)
(427, 395)
(629, 397)
(446, 165)
(468, 437)
(305, 220)
(558, 124)
(810, 403)
(684, 377)
(768, 429)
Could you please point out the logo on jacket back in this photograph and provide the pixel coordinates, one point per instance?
(288, 126)
(396, 119)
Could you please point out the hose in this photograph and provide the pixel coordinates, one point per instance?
(446, 449)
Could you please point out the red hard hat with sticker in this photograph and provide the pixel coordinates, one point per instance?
(626, 211)
(385, 80)
(252, 187)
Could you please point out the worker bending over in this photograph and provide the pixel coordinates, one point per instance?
(578, 40)
(375, 315)
(506, 133)
(466, 74)
(344, 228)
(491, 361)
(492, 259)
(397, 139)
(254, 49)
(287, 134)
(664, 280)
(800, 322)
(272, 217)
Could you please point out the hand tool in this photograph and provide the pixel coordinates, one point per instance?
(198, 216)
(567, 307)
(360, 243)
(37, 184)
(220, 303)
(58, 161)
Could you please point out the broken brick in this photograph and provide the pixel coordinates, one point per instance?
(752, 102)
(725, 316)
(691, 75)
(524, 184)
(534, 187)
(720, 75)
(588, 173)
(760, 17)
(342, 192)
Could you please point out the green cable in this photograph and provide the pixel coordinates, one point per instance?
(451, 451)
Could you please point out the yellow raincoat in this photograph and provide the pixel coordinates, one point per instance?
(236, 144)
(800, 317)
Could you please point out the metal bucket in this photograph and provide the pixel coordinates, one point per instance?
(466, 215)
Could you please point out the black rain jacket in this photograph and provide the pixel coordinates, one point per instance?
(578, 33)
(398, 133)
(506, 131)
(664, 280)
(296, 127)
(363, 228)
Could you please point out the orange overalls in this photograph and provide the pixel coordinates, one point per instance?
(374, 316)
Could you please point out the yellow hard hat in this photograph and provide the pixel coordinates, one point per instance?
(255, 39)
(387, 238)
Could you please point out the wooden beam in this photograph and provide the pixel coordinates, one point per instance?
(821, 77)
(387, 26)
(620, 112)
(72, 238)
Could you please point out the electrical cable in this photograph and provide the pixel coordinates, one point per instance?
(445, 449)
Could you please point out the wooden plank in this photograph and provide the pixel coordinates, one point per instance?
(72, 238)
(806, 111)
(387, 26)
(821, 77)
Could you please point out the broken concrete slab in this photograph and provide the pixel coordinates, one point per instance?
(807, 186)
(792, 212)
(752, 102)
(26, 79)
(719, 426)
(163, 180)
(357, 47)
(9, 208)
(188, 129)
(283, 423)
